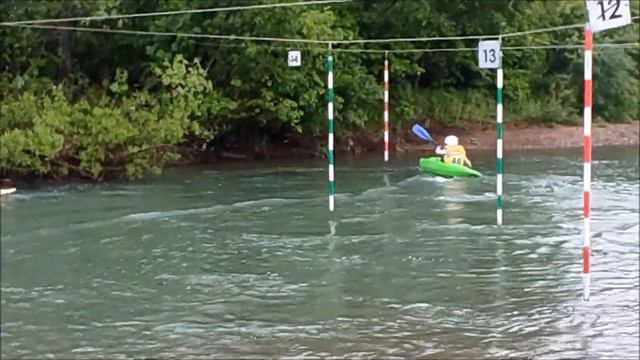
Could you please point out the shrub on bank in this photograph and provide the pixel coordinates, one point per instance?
(122, 132)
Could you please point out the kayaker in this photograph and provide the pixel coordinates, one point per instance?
(452, 152)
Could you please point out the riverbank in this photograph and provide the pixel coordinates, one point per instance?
(534, 136)
(473, 137)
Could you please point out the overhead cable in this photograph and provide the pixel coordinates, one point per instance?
(175, 12)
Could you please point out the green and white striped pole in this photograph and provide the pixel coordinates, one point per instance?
(499, 139)
(330, 128)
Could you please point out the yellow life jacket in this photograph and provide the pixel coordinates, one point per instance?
(455, 154)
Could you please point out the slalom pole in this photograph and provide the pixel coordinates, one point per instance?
(330, 128)
(386, 107)
(586, 195)
(499, 132)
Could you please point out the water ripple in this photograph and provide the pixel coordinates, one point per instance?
(249, 264)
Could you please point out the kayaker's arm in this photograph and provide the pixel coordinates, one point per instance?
(467, 162)
(440, 150)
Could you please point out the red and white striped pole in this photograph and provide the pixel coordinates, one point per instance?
(386, 108)
(586, 195)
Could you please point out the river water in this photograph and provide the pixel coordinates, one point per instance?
(246, 261)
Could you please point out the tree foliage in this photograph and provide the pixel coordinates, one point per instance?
(99, 105)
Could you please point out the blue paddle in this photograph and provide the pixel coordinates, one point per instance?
(422, 133)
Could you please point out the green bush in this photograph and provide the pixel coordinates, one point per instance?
(449, 107)
(616, 85)
(127, 132)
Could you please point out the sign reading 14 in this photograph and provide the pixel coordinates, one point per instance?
(294, 59)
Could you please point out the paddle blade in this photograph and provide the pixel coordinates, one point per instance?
(421, 132)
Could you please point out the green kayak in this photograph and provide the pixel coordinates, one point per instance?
(434, 165)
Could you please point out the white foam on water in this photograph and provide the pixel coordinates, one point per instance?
(260, 204)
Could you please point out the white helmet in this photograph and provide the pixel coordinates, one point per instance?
(451, 140)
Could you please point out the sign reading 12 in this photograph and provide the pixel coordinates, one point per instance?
(608, 14)
(611, 4)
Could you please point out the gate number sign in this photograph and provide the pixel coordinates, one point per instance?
(489, 54)
(608, 14)
(294, 59)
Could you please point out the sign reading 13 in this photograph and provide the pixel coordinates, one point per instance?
(608, 14)
(489, 54)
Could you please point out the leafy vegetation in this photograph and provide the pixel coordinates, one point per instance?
(99, 105)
